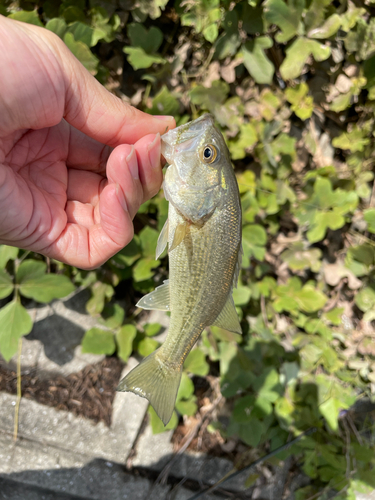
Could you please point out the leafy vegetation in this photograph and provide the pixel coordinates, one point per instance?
(292, 86)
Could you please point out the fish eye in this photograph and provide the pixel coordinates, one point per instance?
(209, 153)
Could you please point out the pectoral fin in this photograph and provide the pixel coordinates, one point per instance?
(179, 235)
(158, 299)
(228, 318)
(162, 240)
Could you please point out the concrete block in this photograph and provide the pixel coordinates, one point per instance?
(68, 432)
(7, 447)
(30, 353)
(153, 451)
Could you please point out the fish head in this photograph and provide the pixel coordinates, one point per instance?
(198, 160)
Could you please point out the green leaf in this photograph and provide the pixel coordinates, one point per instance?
(113, 315)
(124, 339)
(35, 284)
(210, 98)
(15, 322)
(26, 16)
(82, 53)
(148, 40)
(211, 32)
(98, 341)
(58, 26)
(353, 141)
(328, 29)
(297, 55)
(7, 253)
(148, 239)
(82, 33)
(302, 104)
(310, 300)
(101, 292)
(298, 257)
(147, 346)
(246, 139)
(152, 329)
(254, 237)
(143, 269)
(139, 59)
(241, 295)
(157, 425)
(164, 103)
(256, 61)
(187, 407)
(251, 432)
(186, 388)
(196, 363)
(128, 255)
(242, 412)
(365, 299)
(369, 216)
(153, 9)
(6, 284)
(330, 410)
(286, 16)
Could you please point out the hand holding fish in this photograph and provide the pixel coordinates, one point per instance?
(70, 179)
(203, 233)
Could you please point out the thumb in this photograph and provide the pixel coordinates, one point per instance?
(92, 109)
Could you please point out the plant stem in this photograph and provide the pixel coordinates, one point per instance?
(18, 401)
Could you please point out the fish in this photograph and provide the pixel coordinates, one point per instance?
(203, 234)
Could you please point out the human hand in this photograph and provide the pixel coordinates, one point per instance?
(63, 191)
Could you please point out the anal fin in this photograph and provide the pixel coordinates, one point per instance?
(159, 299)
(228, 318)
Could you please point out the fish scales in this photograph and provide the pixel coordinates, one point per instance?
(203, 233)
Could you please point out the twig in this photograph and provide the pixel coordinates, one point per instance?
(188, 439)
(232, 474)
(18, 400)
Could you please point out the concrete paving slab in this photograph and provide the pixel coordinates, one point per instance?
(45, 468)
(155, 451)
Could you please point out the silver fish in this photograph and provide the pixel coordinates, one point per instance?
(203, 231)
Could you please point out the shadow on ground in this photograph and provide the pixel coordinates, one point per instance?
(103, 480)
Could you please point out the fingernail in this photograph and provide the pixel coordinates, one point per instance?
(132, 163)
(164, 117)
(154, 152)
(121, 197)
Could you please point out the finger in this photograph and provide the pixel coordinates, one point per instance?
(150, 171)
(84, 186)
(81, 213)
(86, 153)
(91, 108)
(123, 171)
(89, 248)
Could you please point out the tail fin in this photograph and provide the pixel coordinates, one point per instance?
(156, 380)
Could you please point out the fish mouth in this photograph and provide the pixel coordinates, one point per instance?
(187, 132)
